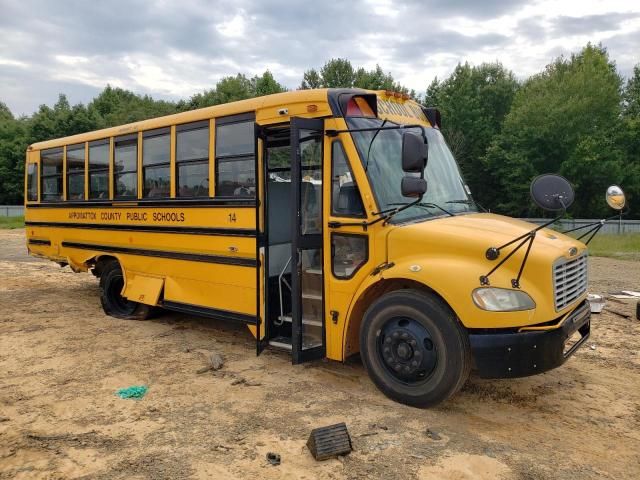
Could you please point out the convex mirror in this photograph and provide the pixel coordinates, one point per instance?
(615, 197)
(552, 192)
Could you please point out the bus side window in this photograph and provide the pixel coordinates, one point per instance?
(51, 174)
(126, 166)
(99, 169)
(192, 159)
(345, 195)
(75, 172)
(156, 163)
(235, 160)
(32, 182)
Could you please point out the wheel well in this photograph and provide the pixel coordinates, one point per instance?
(352, 336)
(98, 263)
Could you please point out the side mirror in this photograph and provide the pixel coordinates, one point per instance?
(414, 153)
(414, 187)
(552, 192)
(615, 197)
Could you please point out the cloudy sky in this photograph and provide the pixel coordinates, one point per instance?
(172, 49)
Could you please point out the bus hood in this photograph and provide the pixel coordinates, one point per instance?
(448, 255)
(473, 234)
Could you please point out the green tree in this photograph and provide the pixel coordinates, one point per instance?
(337, 73)
(13, 143)
(632, 94)
(117, 106)
(265, 84)
(311, 79)
(629, 137)
(548, 129)
(473, 101)
(374, 79)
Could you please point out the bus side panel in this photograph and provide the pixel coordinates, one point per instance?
(214, 269)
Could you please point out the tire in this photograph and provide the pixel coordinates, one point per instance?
(414, 348)
(113, 303)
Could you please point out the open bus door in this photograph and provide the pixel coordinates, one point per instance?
(308, 332)
(262, 300)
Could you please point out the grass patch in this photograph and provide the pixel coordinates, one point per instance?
(11, 222)
(625, 246)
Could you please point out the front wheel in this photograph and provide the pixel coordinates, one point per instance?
(113, 303)
(414, 348)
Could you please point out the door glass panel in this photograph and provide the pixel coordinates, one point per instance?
(350, 252)
(311, 185)
(311, 298)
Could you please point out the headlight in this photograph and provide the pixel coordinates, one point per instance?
(502, 300)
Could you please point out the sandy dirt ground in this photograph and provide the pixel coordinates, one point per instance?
(62, 360)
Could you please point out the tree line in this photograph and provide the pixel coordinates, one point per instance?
(578, 117)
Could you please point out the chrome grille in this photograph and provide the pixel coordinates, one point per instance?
(569, 280)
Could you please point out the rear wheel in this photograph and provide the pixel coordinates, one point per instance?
(414, 348)
(113, 303)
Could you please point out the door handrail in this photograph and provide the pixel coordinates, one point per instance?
(282, 280)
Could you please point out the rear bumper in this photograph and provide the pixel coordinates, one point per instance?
(508, 355)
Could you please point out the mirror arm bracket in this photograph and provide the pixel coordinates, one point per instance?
(493, 253)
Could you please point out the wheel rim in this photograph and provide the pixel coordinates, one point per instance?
(122, 305)
(406, 349)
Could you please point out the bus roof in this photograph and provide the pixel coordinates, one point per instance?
(232, 108)
(266, 107)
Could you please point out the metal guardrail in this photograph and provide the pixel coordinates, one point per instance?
(614, 227)
(11, 210)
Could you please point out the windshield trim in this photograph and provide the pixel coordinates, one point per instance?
(418, 219)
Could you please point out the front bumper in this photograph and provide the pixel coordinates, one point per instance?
(508, 355)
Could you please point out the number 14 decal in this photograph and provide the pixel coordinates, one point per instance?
(232, 217)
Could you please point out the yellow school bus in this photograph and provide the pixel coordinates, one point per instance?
(331, 222)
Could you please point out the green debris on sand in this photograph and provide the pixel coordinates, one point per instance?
(135, 392)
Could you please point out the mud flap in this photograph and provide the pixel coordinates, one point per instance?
(143, 288)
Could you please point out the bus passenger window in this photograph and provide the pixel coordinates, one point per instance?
(32, 182)
(345, 196)
(51, 174)
(235, 160)
(99, 169)
(192, 159)
(156, 163)
(75, 172)
(126, 166)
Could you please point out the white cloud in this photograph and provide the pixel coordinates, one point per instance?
(173, 50)
(233, 28)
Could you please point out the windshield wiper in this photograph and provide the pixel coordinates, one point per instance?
(424, 205)
(466, 202)
(366, 165)
(386, 215)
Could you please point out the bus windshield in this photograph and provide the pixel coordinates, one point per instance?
(382, 162)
